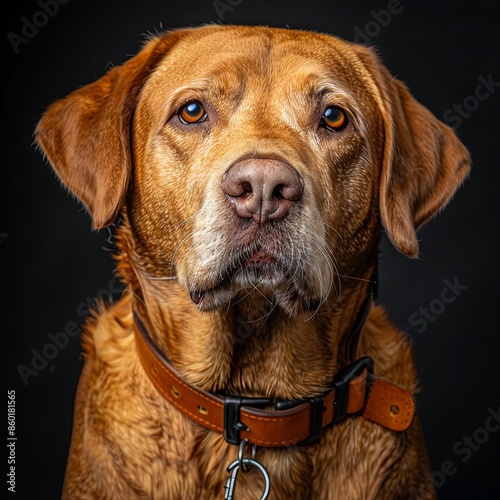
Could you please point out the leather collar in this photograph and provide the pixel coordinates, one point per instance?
(355, 391)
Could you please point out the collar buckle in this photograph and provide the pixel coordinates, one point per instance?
(342, 380)
(232, 423)
(317, 410)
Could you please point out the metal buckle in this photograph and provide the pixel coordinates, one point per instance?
(341, 384)
(232, 404)
(232, 423)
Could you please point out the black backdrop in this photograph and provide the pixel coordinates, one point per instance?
(52, 265)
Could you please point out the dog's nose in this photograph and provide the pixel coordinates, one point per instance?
(262, 189)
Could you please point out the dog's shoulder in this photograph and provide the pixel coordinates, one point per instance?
(390, 349)
(122, 430)
(108, 331)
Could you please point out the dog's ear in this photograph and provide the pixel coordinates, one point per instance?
(424, 163)
(86, 136)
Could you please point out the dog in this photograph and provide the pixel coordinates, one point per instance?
(253, 170)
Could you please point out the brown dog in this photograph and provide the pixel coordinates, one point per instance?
(253, 169)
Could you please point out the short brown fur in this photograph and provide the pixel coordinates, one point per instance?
(119, 146)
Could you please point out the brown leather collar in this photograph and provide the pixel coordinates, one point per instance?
(355, 391)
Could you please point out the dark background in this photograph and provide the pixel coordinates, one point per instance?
(51, 262)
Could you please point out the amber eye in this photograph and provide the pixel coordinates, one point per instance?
(334, 118)
(192, 112)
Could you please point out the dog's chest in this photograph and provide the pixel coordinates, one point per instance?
(154, 451)
(168, 456)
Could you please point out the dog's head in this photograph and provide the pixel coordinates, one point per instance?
(251, 157)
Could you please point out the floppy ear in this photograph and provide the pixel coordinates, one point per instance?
(86, 136)
(424, 163)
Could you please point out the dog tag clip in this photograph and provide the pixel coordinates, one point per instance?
(246, 464)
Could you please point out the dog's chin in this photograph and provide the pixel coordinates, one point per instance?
(261, 279)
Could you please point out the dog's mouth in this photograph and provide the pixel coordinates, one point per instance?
(287, 262)
(274, 275)
(253, 268)
(259, 258)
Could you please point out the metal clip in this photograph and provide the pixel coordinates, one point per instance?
(245, 464)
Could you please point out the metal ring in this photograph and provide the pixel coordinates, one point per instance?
(241, 450)
(252, 463)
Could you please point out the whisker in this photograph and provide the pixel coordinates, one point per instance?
(333, 229)
(177, 249)
(259, 292)
(159, 278)
(182, 223)
(229, 304)
(274, 304)
(356, 278)
(330, 260)
(138, 298)
(253, 289)
(266, 315)
(187, 219)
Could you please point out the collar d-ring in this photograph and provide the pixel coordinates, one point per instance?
(241, 455)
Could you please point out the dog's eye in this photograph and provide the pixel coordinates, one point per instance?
(334, 119)
(192, 112)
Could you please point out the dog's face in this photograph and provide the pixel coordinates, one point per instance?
(254, 158)
(266, 151)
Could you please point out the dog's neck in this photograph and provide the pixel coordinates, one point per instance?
(252, 347)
